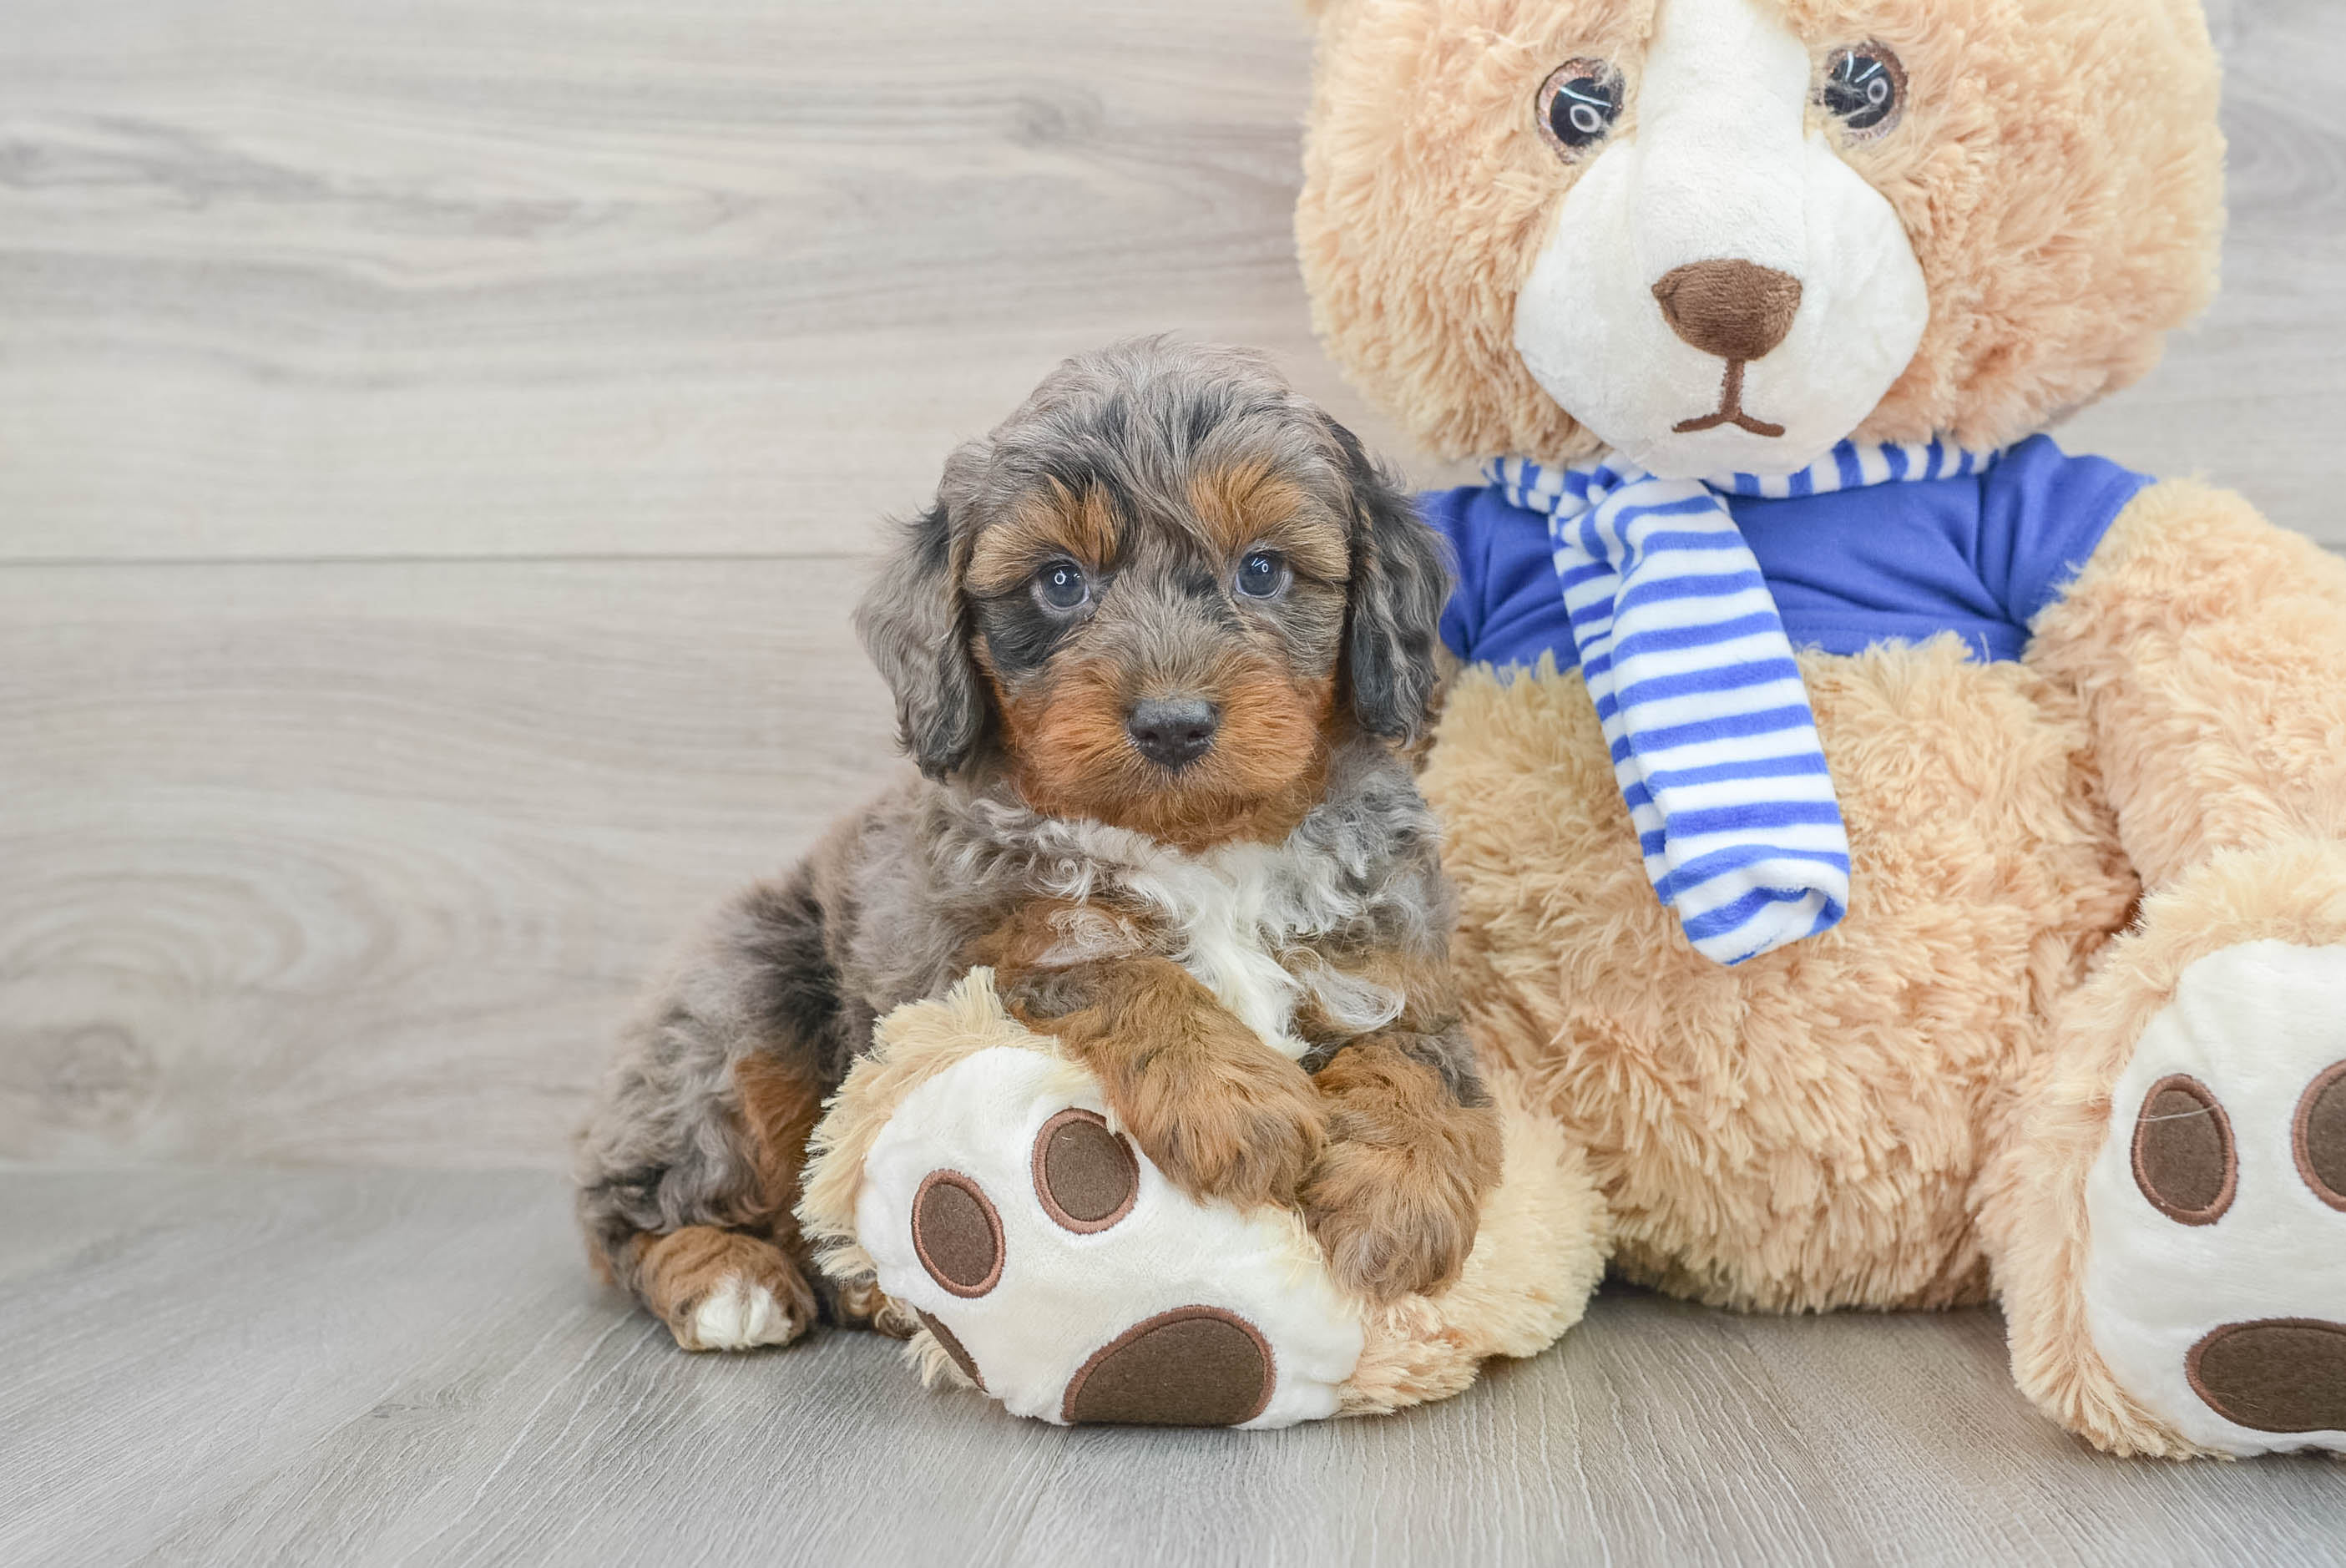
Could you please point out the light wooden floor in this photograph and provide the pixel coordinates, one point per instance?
(343, 1366)
(438, 444)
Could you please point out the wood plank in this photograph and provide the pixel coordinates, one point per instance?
(512, 278)
(363, 863)
(347, 1367)
(291, 281)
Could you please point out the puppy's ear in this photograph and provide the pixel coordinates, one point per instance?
(916, 628)
(1401, 580)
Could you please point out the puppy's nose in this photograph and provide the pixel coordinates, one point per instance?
(1172, 733)
(1736, 310)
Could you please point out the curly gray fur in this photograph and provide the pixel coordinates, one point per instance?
(889, 905)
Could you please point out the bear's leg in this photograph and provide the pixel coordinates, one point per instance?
(2166, 1212)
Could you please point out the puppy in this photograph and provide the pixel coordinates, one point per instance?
(1157, 649)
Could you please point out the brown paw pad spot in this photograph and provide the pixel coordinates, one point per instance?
(2281, 1375)
(2319, 1137)
(1085, 1177)
(1191, 1367)
(957, 1233)
(952, 1347)
(2184, 1160)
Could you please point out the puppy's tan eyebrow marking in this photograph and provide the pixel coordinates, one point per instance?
(1050, 524)
(1250, 505)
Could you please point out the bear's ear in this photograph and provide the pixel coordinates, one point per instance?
(1401, 581)
(915, 627)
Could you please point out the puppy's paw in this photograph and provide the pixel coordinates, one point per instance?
(1220, 1112)
(739, 1315)
(1395, 1199)
(860, 1303)
(1242, 1124)
(1393, 1221)
(722, 1291)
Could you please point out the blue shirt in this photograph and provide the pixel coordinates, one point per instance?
(1899, 561)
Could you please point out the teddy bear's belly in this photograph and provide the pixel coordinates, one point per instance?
(1801, 1131)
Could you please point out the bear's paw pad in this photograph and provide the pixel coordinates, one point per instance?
(2283, 1374)
(1191, 1367)
(1085, 1177)
(2216, 1260)
(957, 1233)
(1061, 1274)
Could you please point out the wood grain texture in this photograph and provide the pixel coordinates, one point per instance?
(435, 440)
(363, 863)
(361, 1368)
(513, 277)
(2248, 396)
(524, 277)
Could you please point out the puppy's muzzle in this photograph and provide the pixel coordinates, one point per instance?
(1173, 733)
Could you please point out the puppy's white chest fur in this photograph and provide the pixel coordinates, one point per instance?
(1244, 919)
(1245, 914)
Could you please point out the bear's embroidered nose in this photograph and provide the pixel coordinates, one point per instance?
(1736, 310)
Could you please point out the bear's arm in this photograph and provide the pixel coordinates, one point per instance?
(2210, 649)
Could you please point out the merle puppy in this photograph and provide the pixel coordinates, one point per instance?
(1157, 649)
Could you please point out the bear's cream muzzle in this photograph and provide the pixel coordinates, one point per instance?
(1722, 292)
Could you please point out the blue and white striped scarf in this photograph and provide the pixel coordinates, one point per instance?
(1714, 743)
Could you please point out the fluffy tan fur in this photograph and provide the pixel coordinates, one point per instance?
(2066, 218)
(1424, 205)
(2211, 647)
(2033, 1196)
(1805, 1131)
(1801, 1131)
(1901, 1112)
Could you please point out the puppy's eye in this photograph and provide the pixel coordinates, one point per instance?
(1263, 575)
(1864, 88)
(1061, 585)
(1577, 105)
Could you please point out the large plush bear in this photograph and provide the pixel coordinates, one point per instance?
(1909, 859)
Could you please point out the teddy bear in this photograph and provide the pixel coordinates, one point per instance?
(1906, 860)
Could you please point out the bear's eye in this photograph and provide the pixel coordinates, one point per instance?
(1864, 88)
(1061, 585)
(1577, 105)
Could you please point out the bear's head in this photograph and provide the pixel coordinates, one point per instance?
(1723, 235)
